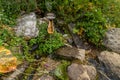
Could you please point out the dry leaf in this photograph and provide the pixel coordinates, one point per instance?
(50, 28)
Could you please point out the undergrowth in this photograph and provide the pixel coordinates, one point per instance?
(48, 43)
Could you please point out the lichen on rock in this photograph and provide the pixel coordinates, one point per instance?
(26, 26)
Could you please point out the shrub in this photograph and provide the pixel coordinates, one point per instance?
(110, 10)
(47, 42)
(92, 24)
(11, 9)
(90, 16)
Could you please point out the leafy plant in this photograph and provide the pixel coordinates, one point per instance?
(1, 42)
(110, 10)
(93, 25)
(11, 9)
(10, 40)
(47, 42)
(61, 72)
(86, 16)
(4, 34)
(89, 15)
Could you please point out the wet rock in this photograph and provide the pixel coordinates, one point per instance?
(78, 42)
(76, 38)
(112, 39)
(102, 76)
(46, 77)
(26, 26)
(72, 52)
(81, 72)
(111, 63)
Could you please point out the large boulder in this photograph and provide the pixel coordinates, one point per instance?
(71, 52)
(112, 39)
(26, 26)
(81, 72)
(111, 63)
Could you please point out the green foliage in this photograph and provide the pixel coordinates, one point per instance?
(47, 42)
(4, 35)
(93, 25)
(11, 9)
(61, 72)
(1, 42)
(89, 15)
(7, 36)
(110, 10)
(86, 16)
(9, 40)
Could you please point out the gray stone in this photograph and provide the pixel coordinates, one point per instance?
(112, 39)
(72, 52)
(81, 72)
(26, 26)
(111, 62)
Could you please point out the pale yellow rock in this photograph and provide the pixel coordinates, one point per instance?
(8, 62)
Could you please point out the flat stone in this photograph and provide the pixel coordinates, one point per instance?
(72, 52)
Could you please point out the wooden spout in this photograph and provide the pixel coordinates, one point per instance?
(50, 28)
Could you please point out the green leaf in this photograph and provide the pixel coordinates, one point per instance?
(61, 72)
(1, 42)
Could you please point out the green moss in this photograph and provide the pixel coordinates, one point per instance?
(61, 72)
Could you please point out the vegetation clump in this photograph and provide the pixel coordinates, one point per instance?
(91, 18)
(47, 43)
